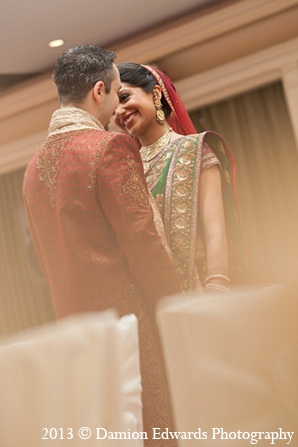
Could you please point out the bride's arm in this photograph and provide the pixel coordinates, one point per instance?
(211, 212)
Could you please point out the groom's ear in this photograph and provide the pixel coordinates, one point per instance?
(98, 90)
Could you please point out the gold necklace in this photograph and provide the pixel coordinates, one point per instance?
(150, 151)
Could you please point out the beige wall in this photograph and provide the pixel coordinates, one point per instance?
(209, 55)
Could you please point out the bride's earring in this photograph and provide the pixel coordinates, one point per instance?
(160, 116)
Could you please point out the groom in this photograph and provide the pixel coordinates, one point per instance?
(90, 218)
(87, 202)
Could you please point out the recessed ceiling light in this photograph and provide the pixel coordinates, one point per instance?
(56, 43)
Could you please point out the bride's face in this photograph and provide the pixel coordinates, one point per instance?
(135, 113)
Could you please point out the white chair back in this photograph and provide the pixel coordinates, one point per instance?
(74, 383)
(232, 364)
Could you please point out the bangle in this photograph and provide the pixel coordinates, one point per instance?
(218, 276)
(217, 287)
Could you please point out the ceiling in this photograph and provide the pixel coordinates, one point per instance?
(27, 26)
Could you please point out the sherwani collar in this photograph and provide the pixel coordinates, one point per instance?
(66, 119)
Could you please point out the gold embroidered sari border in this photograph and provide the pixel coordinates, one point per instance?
(184, 170)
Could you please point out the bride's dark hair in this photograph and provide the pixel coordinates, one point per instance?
(138, 76)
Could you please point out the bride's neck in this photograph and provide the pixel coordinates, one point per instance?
(154, 135)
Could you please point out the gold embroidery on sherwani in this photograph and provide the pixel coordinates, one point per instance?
(48, 165)
(157, 410)
(95, 157)
(135, 186)
(65, 124)
(93, 176)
